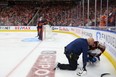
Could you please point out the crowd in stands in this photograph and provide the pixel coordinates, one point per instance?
(17, 15)
(59, 14)
(72, 15)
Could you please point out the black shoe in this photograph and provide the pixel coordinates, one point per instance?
(56, 65)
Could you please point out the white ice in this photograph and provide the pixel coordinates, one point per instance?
(17, 56)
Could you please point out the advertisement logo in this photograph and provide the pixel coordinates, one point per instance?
(44, 65)
(85, 33)
(54, 28)
(98, 35)
(22, 27)
(64, 29)
(4, 28)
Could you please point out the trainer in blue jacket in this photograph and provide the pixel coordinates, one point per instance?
(73, 50)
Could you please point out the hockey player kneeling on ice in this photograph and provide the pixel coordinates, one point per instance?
(95, 52)
(73, 51)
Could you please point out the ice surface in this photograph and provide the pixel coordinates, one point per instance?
(20, 50)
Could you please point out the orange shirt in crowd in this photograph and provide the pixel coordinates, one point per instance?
(102, 21)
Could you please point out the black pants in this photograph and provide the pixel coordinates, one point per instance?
(72, 63)
(39, 33)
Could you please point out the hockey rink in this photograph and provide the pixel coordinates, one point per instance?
(23, 55)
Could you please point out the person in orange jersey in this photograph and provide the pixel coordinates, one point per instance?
(102, 23)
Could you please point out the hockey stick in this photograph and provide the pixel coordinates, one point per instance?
(102, 75)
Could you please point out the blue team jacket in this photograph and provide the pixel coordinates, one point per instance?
(78, 46)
